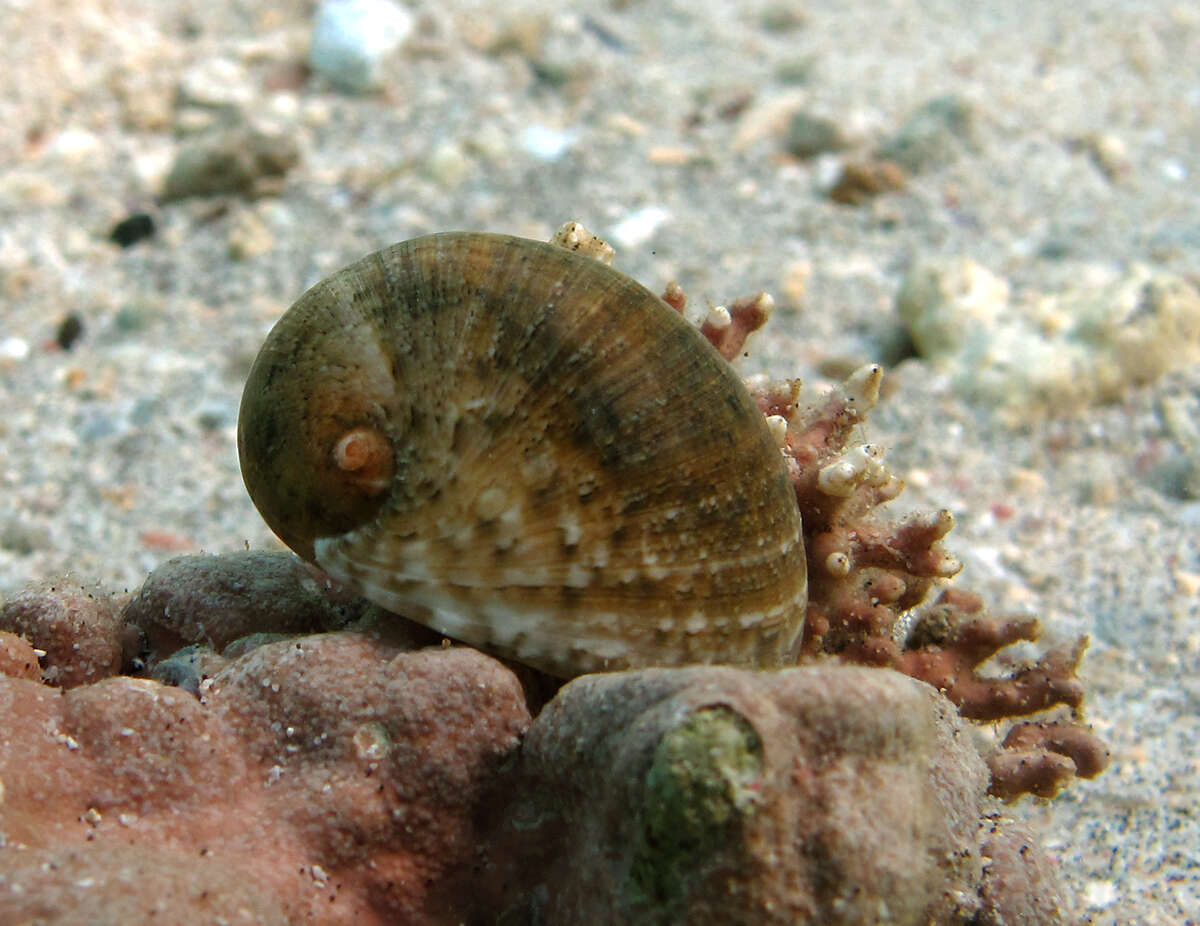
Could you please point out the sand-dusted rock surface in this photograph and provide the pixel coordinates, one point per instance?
(335, 778)
(712, 795)
(325, 779)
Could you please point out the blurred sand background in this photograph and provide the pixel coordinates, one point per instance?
(669, 128)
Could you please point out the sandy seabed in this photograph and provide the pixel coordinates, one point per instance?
(665, 128)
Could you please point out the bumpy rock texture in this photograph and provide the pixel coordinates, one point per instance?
(328, 779)
(826, 794)
(78, 629)
(212, 601)
(345, 777)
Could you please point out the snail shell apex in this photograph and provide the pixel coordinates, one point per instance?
(526, 450)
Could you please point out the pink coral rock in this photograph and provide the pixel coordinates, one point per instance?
(341, 778)
(78, 629)
(17, 658)
(335, 776)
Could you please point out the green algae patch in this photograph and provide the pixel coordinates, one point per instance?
(701, 787)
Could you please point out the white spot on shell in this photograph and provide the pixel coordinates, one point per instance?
(527, 576)
(371, 741)
(606, 620)
(748, 620)
(578, 576)
(571, 530)
(491, 503)
(604, 647)
(539, 469)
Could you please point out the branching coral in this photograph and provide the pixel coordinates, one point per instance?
(948, 644)
(869, 575)
(1040, 758)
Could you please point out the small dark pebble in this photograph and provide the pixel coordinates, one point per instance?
(605, 35)
(188, 667)
(70, 330)
(862, 180)
(1054, 249)
(809, 135)
(133, 229)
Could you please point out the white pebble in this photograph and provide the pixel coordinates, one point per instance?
(1174, 170)
(639, 227)
(14, 349)
(74, 145)
(1099, 894)
(217, 83)
(545, 143)
(352, 38)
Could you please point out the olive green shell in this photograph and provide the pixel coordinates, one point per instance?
(576, 478)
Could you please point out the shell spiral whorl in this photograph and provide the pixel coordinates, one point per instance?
(526, 450)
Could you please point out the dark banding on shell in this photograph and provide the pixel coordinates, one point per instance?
(578, 480)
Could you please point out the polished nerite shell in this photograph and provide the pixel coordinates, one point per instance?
(528, 451)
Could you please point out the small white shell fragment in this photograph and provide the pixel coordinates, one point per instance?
(217, 83)
(352, 38)
(72, 144)
(574, 237)
(778, 426)
(1099, 894)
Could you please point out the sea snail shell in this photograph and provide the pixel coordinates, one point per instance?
(525, 449)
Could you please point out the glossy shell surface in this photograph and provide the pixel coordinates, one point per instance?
(528, 451)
